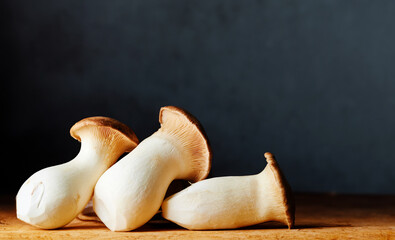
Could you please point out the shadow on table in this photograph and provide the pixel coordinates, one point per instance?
(164, 225)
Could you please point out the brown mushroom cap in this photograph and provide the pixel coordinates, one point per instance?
(108, 125)
(190, 133)
(285, 191)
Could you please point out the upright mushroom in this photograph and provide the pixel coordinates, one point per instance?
(54, 196)
(130, 193)
(233, 202)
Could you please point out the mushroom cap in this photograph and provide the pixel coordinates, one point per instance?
(190, 133)
(284, 190)
(106, 124)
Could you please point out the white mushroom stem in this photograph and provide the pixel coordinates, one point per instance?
(54, 196)
(148, 170)
(233, 202)
(130, 193)
(88, 214)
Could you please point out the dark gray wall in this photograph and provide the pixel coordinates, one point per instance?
(311, 81)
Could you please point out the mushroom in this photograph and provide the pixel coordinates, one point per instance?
(88, 214)
(233, 202)
(131, 192)
(54, 196)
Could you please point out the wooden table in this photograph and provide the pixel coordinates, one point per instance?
(317, 217)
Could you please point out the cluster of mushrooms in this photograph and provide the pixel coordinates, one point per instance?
(127, 193)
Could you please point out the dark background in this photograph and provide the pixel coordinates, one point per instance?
(311, 81)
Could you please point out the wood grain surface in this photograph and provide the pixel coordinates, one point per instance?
(317, 217)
